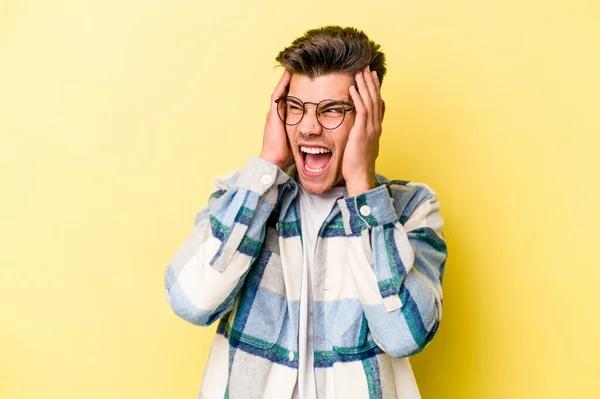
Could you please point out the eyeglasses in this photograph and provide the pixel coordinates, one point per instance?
(330, 113)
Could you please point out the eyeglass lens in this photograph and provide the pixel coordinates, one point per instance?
(330, 113)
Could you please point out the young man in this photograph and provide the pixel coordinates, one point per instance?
(324, 276)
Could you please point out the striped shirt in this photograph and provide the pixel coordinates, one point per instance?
(377, 285)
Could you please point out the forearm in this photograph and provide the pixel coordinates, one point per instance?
(396, 271)
(205, 275)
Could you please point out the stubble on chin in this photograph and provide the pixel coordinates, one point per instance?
(318, 189)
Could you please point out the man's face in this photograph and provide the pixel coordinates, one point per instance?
(318, 152)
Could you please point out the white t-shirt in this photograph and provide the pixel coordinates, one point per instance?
(314, 210)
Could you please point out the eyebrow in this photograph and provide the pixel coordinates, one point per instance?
(343, 100)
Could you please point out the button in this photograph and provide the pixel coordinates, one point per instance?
(291, 356)
(266, 179)
(365, 210)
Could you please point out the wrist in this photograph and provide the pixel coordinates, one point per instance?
(279, 164)
(360, 186)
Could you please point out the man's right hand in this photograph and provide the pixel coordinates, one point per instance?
(275, 146)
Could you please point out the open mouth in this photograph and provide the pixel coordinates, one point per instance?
(315, 159)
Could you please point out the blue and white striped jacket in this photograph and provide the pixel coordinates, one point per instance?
(378, 271)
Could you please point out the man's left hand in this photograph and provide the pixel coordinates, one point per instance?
(362, 148)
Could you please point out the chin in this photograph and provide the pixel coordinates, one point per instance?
(316, 185)
(315, 188)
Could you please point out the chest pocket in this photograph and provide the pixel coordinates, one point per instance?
(261, 306)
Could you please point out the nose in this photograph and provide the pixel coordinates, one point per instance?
(309, 125)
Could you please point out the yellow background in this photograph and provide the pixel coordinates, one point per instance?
(116, 115)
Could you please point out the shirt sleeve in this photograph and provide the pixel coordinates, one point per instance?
(206, 273)
(397, 259)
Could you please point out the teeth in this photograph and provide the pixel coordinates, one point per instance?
(313, 170)
(312, 150)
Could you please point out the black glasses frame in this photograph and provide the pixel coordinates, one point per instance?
(282, 117)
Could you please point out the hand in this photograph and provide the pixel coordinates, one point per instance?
(275, 147)
(362, 148)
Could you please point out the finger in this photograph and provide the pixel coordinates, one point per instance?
(363, 92)
(361, 113)
(376, 80)
(368, 76)
(375, 95)
(367, 100)
(282, 85)
(379, 101)
(280, 91)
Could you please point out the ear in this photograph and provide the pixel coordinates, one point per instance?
(382, 109)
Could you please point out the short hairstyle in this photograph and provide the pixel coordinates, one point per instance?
(332, 49)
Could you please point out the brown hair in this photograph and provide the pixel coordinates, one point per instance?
(332, 49)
